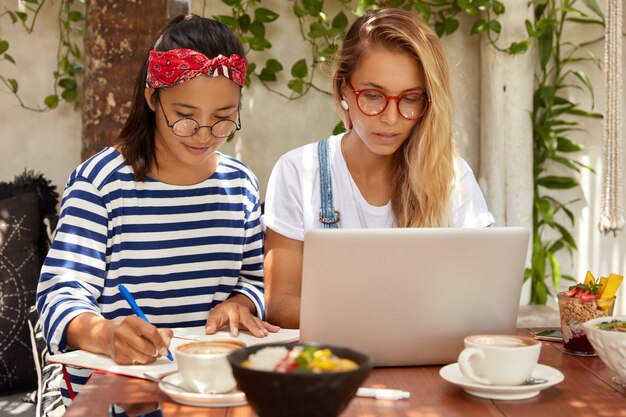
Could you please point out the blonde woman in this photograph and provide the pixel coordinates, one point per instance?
(396, 166)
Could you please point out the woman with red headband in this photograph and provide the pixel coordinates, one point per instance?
(396, 166)
(163, 212)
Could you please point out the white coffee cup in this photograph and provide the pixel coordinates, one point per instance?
(499, 359)
(204, 367)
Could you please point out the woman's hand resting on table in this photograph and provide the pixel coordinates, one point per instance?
(237, 311)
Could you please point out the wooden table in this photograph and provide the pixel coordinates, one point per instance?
(586, 391)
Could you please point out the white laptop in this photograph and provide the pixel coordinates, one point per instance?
(410, 296)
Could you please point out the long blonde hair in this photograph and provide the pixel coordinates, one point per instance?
(424, 165)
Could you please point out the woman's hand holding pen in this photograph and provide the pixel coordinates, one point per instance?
(133, 341)
(238, 312)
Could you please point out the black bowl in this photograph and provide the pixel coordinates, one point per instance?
(275, 394)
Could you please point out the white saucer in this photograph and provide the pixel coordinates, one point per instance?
(229, 399)
(452, 373)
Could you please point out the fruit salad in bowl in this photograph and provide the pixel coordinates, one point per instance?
(299, 379)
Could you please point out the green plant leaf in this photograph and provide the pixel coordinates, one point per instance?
(555, 266)
(22, 16)
(68, 83)
(300, 69)
(316, 30)
(339, 128)
(539, 292)
(530, 29)
(229, 21)
(545, 47)
(593, 5)
(52, 101)
(273, 66)
(259, 44)
(584, 113)
(451, 25)
(257, 29)
(569, 214)
(497, 7)
(424, 10)
(586, 21)
(235, 4)
(479, 27)
(340, 22)
(296, 85)
(585, 80)
(265, 15)
(545, 209)
(518, 47)
(494, 26)
(13, 84)
(9, 58)
(587, 167)
(12, 16)
(567, 236)
(549, 139)
(268, 73)
(467, 6)
(69, 95)
(557, 182)
(323, 18)
(569, 278)
(4, 45)
(313, 7)
(528, 274)
(244, 21)
(75, 16)
(566, 162)
(567, 145)
(440, 29)
(298, 11)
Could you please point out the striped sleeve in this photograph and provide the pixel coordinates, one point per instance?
(250, 282)
(72, 276)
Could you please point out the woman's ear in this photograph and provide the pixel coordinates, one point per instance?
(149, 93)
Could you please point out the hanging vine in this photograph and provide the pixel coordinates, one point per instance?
(68, 54)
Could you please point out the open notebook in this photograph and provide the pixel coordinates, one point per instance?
(163, 366)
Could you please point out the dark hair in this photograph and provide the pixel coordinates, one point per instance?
(190, 31)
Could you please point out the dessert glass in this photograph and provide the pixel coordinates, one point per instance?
(574, 312)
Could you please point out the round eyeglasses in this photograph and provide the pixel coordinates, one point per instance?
(188, 127)
(373, 102)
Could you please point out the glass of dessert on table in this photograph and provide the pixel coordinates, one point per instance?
(592, 299)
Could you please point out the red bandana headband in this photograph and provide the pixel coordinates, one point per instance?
(168, 68)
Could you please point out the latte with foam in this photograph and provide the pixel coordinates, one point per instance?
(502, 341)
(215, 347)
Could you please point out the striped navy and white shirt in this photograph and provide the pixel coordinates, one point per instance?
(180, 250)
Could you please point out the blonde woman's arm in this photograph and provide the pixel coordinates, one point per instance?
(283, 279)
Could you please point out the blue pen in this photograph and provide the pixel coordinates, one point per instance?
(129, 298)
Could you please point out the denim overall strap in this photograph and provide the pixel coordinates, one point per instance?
(328, 215)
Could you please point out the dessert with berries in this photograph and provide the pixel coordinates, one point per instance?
(581, 302)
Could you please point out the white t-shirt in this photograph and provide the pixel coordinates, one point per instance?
(292, 203)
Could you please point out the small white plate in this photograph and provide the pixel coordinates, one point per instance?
(229, 399)
(452, 373)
